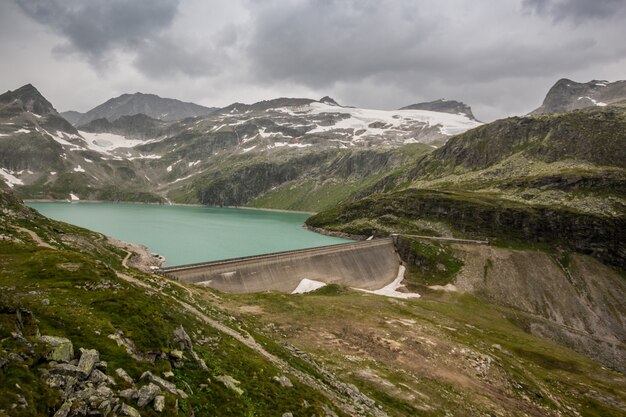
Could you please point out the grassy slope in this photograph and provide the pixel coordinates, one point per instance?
(412, 357)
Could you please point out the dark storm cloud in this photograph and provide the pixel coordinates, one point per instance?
(318, 41)
(577, 10)
(499, 56)
(321, 42)
(96, 27)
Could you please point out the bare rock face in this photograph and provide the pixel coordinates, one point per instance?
(444, 106)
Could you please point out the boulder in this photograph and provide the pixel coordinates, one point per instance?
(100, 378)
(127, 410)
(283, 381)
(230, 383)
(64, 410)
(159, 403)
(129, 394)
(88, 359)
(124, 376)
(181, 336)
(65, 369)
(166, 385)
(147, 393)
(176, 354)
(62, 348)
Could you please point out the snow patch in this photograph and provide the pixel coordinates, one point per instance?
(308, 285)
(245, 150)
(390, 290)
(104, 142)
(79, 169)
(10, 179)
(192, 164)
(74, 197)
(360, 119)
(22, 131)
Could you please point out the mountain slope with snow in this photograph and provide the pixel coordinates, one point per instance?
(567, 95)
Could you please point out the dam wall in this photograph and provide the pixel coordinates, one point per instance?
(368, 265)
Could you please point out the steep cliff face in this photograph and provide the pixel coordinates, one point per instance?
(247, 180)
(485, 217)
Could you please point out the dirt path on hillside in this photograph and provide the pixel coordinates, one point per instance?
(34, 236)
(354, 404)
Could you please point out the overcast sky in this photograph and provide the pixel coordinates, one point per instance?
(500, 57)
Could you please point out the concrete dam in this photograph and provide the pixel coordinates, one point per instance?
(368, 265)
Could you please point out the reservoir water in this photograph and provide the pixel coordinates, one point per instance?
(189, 234)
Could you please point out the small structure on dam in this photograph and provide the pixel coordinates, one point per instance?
(368, 265)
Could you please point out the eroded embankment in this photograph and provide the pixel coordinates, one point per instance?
(369, 265)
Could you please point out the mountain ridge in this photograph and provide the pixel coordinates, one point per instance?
(151, 105)
(566, 95)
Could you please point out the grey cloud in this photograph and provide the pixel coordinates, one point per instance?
(96, 27)
(318, 41)
(576, 10)
(163, 57)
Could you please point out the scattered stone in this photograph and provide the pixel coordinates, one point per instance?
(65, 369)
(287, 415)
(45, 302)
(159, 403)
(68, 266)
(127, 410)
(64, 410)
(102, 365)
(147, 393)
(181, 336)
(283, 381)
(166, 385)
(62, 348)
(230, 383)
(168, 374)
(328, 412)
(129, 394)
(100, 378)
(88, 359)
(124, 376)
(177, 354)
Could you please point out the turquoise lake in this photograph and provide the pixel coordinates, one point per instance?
(189, 234)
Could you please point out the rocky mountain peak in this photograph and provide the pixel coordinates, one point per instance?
(151, 105)
(444, 106)
(566, 95)
(28, 99)
(330, 101)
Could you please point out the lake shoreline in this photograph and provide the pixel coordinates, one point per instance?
(51, 200)
(185, 234)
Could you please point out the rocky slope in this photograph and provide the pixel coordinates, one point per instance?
(553, 183)
(151, 105)
(194, 160)
(443, 105)
(567, 95)
(84, 334)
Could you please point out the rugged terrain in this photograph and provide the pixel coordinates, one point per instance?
(567, 95)
(151, 105)
(82, 332)
(232, 156)
(550, 186)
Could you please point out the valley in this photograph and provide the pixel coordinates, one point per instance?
(529, 321)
